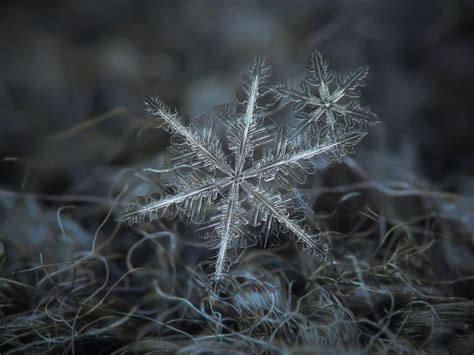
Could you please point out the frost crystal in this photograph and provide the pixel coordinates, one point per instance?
(247, 181)
(326, 95)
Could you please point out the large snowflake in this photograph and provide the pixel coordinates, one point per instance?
(246, 181)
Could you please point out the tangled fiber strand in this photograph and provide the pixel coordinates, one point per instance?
(402, 281)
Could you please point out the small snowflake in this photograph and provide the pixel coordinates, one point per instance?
(326, 95)
(226, 186)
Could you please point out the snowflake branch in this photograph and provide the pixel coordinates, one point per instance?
(356, 78)
(358, 113)
(319, 69)
(248, 118)
(279, 213)
(137, 212)
(259, 72)
(225, 231)
(156, 108)
(313, 117)
(303, 155)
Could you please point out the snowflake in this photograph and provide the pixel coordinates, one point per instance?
(247, 180)
(324, 94)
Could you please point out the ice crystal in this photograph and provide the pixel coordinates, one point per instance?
(247, 180)
(329, 96)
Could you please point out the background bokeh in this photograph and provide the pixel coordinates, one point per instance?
(63, 62)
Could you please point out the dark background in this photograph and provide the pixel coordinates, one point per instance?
(64, 62)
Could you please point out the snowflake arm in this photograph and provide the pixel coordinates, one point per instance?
(320, 76)
(196, 147)
(269, 203)
(191, 198)
(353, 112)
(248, 118)
(348, 84)
(307, 120)
(300, 97)
(244, 131)
(225, 230)
(287, 158)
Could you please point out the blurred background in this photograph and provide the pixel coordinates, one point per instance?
(71, 121)
(63, 62)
